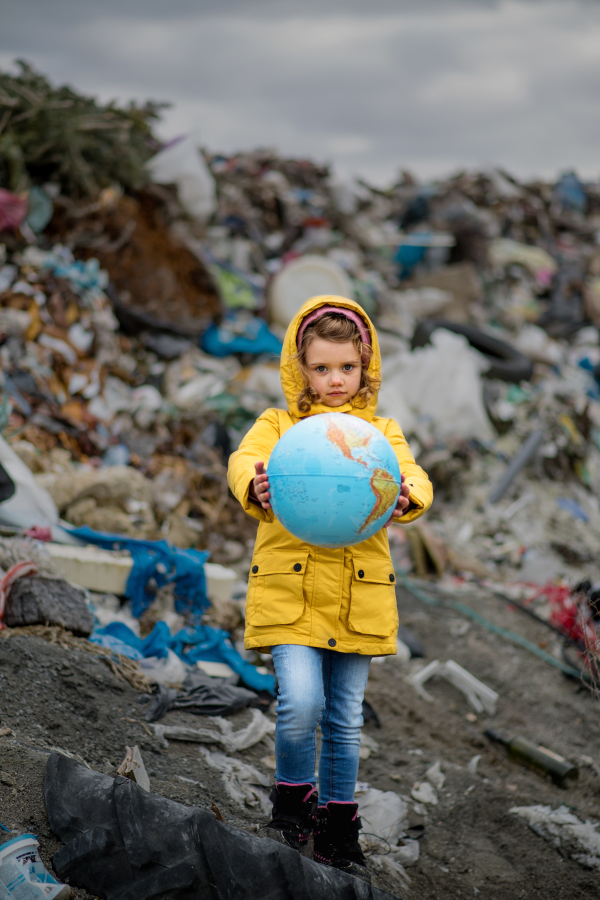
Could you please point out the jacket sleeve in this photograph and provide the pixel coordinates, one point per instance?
(256, 445)
(421, 489)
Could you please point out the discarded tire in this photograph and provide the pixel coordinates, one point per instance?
(506, 362)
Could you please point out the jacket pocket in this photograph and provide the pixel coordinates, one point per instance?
(373, 608)
(275, 594)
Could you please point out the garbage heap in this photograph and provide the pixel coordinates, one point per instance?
(142, 307)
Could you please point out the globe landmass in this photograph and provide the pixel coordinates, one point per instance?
(386, 493)
(334, 480)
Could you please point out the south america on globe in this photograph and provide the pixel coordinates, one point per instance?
(334, 480)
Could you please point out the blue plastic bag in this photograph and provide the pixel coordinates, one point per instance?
(240, 333)
(162, 562)
(213, 645)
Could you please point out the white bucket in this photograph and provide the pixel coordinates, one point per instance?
(23, 875)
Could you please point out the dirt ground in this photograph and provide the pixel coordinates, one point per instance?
(472, 846)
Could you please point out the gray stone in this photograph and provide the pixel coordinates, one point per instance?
(52, 601)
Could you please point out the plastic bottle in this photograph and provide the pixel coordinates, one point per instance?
(562, 772)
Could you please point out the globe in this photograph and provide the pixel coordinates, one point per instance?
(334, 480)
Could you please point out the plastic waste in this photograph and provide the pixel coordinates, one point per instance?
(39, 209)
(236, 289)
(480, 696)
(564, 831)
(503, 360)
(133, 767)
(13, 209)
(240, 333)
(182, 164)
(233, 741)
(84, 806)
(435, 776)
(535, 260)
(156, 644)
(190, 645)
(524, 456)
(214, 644)
(445, 388)
(158, 560)
(569, 192)
(424, 792)
(382, 813)
(168, 669)
(23, 503)
(243, 782)
(307, 276)
(23, 876)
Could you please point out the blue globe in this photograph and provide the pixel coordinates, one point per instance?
(334, 480)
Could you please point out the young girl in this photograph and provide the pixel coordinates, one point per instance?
(322, 613)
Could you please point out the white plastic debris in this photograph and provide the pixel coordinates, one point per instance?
(133, 767)
(407, 854)
(481, 697)
(473, 763)
(382, 813)
(23, 875)
(423, 792)
(445, 384)
(368, 745)
(257, 730)
(402, 654)
(242, 781)
(306, 276)
(180, 163)
(435, 776)
(215, 669)
(169, 670)
(389, 865)
(220, 582)
(580, 840)
(29, 504)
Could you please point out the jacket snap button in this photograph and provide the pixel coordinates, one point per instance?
(392, 577)
(255, 569)
(332, 642)
(361, 574)
(297, 567)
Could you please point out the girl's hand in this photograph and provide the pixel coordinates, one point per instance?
(259, 487)
(402, 503)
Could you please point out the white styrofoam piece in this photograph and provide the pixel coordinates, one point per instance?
(98, 570)
(215, 669)
(220, 581)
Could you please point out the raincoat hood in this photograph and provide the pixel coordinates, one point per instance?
(292, 380)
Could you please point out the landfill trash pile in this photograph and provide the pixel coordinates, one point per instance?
(144, 293)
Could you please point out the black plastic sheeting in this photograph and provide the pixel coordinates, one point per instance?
(122, 843)
(200, 694)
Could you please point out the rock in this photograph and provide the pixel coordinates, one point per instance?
(52, 601)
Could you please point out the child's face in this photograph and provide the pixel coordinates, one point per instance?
(334, 371)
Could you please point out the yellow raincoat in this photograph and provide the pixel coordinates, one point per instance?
(302, 594)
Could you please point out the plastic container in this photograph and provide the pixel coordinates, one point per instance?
(23, 875)
(300, 279)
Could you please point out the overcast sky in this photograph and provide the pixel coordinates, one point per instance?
(371, 85)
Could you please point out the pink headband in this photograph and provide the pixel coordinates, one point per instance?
(340, 311)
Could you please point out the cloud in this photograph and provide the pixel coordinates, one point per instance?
(431, 85)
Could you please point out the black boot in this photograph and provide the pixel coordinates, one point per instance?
(336, 839)
(294, 809)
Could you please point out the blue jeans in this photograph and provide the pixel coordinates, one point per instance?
(326, 687)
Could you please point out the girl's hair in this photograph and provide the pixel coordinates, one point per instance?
(339, 329)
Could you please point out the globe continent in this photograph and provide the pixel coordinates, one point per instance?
(334, 480)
